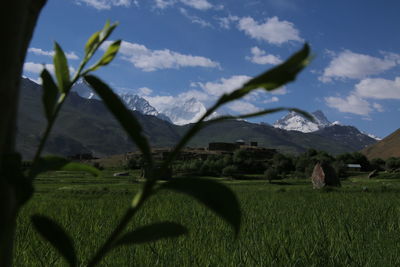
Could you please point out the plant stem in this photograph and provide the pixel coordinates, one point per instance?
(51, 122)
(102, 251)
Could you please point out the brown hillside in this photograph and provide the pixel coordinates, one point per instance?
(386, 148)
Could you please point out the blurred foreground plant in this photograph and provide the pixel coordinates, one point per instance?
(215, 196)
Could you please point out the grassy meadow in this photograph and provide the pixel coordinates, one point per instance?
(284, 224)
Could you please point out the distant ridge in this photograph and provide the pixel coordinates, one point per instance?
(386, 148)
(86, 126)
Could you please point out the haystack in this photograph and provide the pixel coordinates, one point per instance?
(324, 175)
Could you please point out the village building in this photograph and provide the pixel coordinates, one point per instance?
(353, 167)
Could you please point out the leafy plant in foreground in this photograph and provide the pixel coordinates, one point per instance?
(215, 196)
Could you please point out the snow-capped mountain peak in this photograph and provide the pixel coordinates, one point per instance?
(320, 119)
(373, 136)
(84, 90)
(135, 102)
(132, 101)
(296, 122)
(184, 111)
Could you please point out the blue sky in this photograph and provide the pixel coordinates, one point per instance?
(174, 50)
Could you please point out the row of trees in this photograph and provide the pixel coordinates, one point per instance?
(279, 166)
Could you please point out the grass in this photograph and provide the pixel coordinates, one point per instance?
(284, 224)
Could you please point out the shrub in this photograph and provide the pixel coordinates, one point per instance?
(230, 171)
(271, 174)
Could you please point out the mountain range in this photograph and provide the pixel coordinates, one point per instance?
(182, 111)
(296, 122)
(86, 126)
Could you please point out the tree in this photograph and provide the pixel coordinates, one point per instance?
(362, 160)
(271, 174)
(282, 164)
(392, 163)
(377, 164)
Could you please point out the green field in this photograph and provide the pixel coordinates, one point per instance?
(284, 224)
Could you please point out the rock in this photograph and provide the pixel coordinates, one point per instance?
(372, 174)
(324, 175)
(318, 177)
(121, 174)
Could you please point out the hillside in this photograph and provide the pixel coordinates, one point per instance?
(86, 126)
(386, 148)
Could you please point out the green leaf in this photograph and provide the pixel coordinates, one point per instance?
(54, 163)
(282, 74)
(56, 235)
(107, 30)
(130, 124)
(91, 43)
(152, 233)
(108, 55)
(61, 68)
(50, 93)
(274, 78)
(212, 194)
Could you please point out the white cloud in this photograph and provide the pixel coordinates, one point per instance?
(280, 91)
(224, 85)
(195, 19)
(199, 95)
(143, 91)
(37, 68)
(194, 101)
(41, 52)
(184, 108)
(259, 56)
(164, 3)
(197, 4)
(272, 31)
(379, 88)
(225, 22)
(164, 102)
(105, 4)
(150, 60)
(242, 107)
(271, 100)
(160, 102)
(350, 104)
(349, 65)
(378, 107)
(228, 85)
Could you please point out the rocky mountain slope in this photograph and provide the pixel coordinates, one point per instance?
(296, 122)
(386, 148)
(132, 101)
(85, 125)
